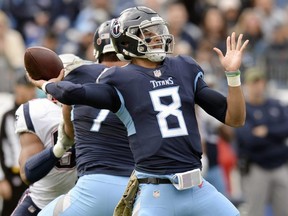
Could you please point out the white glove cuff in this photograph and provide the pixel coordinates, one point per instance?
(58, 150)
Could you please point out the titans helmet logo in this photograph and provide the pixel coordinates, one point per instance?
(115, 29)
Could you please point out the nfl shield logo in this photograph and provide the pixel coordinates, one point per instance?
(156, 193)
(157, 73)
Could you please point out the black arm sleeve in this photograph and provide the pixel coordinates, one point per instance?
(39, 165)
(211, 101)
(100, 96)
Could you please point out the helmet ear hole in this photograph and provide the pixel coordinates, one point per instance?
(143, 48)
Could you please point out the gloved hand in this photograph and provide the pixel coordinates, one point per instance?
(71, 62)
(63, 142)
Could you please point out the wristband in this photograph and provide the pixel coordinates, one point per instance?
(43, 87)
(233, 78)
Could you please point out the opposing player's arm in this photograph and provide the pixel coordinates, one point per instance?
(30, 145)
(35, 160)
(68, 125)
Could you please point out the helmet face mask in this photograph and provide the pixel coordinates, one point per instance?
(155, 41)
(142, 33)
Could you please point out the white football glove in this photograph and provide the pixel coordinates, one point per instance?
(64, 143)
(71, 62)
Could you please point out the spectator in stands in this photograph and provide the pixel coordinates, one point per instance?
(93, 14)
(89, 18)
(214, 27)
(276, 56)
(250, 23)
(12, 48)
(231, 10)
(214, 33)
(11, 185)
(186, 34)
(262, 151)
(271, 16)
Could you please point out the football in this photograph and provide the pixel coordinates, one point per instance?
(42, 63)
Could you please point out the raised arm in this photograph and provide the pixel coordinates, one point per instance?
(236, 110)
(68, 125)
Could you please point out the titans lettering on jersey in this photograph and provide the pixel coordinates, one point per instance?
(173, 132)
(101, 138)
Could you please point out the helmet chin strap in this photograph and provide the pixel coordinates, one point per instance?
(156, 55)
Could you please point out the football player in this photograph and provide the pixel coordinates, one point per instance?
(44, 163)
(104, 159)
(154, 96)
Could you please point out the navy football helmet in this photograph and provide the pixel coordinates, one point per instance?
(141, 32)
(102, 42)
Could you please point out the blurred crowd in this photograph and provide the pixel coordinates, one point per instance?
(68, 26)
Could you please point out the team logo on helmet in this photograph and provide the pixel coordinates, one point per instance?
(115, 29)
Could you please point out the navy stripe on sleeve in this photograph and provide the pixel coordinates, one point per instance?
(28, 117)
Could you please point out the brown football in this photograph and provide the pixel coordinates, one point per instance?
(42, 63)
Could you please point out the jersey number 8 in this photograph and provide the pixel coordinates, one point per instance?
(167, 110)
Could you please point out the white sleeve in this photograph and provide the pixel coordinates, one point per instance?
(21, 115)
(40, 117)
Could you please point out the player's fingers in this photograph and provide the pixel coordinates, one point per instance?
(59, 78)
(219, 52)
(239, 42)
(244, 45)
(228, 45)
(62, 74)
(233, 41)
(27, 75)
(29, 78)
(37, 83)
